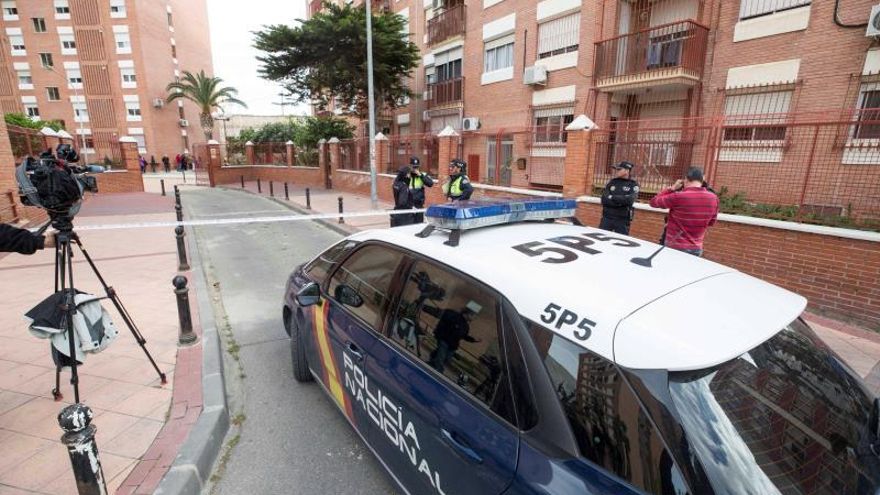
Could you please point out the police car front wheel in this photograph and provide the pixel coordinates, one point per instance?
(298, 359)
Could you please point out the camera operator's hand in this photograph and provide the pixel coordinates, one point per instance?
(49, 241)
(678, 185)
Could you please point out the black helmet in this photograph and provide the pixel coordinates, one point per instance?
(459, 163)
(414, 161)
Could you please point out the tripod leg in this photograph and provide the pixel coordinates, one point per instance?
(69, 306)
(126, 317)
(56, 392)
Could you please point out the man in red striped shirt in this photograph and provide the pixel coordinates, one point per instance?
(692, 210)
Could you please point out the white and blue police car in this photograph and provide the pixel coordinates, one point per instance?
(492, 352)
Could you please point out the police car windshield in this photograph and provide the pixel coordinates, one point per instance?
(786, 417)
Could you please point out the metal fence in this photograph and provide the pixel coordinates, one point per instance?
(270, 153)
(25, 142)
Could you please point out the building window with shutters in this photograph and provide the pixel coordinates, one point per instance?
(123, 42)
(117, 9)
(39, 24)
(52, 93)
(749, 9)
(754, 125)
(32, 111)
(25, 80)
(132, 111)
(68, 44)
(80, 112)
(862, 145)
(129, 79)
(74, 78)
(10, 10)
(46, 60)
(549, 124)
(498, 54)
(559, 35)
(16, 43)
(62, 9)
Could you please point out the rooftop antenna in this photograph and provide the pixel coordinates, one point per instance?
(646, 262)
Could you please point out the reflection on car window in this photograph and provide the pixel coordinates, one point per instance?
(451, 324)
(612, 429)
(784, 418)
(363, 281)
(318, 269)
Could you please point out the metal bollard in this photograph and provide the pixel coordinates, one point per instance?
(179, 210)
(182, 263)
(259, 186)
(162, 183)
(176, 195)
(186, 328)
(339, 199)
(271, 189)
(286, 192)
(242, 182)
(79, 437)
(308, 199)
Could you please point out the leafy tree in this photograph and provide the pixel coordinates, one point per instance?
(22, 120)
(313, 129)
(325, 58)
(205, 92)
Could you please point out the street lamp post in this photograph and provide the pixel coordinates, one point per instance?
(76, 94)
(374, 200)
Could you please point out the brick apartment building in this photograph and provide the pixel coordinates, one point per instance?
(101, 66)
(670, 82)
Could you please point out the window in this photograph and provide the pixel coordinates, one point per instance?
(46, 60)
(611, 428)
(180, 113)
(10, 10)
(16, 41)
(170, 20)
(362, 283)
(752, 117)
(62, 9)
(321, 266)
(447, 65)
(498, 171)
(755, 8)
(39, 24)
(25, 81)
(174, 51)
(68, 44)
(498, 54)
(133, 111)
(80, 112)
(450, 323)
(32, 111)
(868, 110)
(74, 78)
(550, 124)
(52, 93)
(141, 141)
(87, 141)
(123, 42)
(117, 9)
(129, 79)
(559, 35)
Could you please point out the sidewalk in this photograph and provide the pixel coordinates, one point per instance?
(131, 406)
(860, 348)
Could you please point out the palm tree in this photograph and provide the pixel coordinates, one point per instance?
(205, 92)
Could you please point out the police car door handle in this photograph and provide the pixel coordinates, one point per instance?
(355, 351)
(461, 447)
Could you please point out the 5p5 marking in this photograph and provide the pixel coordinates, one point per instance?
(571, 245)
(567, 317)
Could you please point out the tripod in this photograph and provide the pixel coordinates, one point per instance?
(65, 238)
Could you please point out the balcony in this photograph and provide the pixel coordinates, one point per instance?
(449, 23)
(445, 93)
(671, 54)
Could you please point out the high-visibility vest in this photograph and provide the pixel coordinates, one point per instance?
(416, 182)
(453, 188)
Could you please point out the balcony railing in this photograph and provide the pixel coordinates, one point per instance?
(445, 92)
(446, 24)
(661, 54)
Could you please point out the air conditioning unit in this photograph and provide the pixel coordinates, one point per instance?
(874, 22)
(183, 123)
(158, 102)
(470, 124)
(537, 74)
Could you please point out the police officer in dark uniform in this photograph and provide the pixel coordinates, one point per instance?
(617, 199)
(418, 181)
(458, 187)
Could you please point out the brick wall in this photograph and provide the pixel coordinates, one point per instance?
(302, 176)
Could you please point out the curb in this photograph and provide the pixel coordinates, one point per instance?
(336, 227)
(195, 460)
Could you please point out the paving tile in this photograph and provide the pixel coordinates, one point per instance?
(110, 424)
(9, 490)
(144, 402)
(40, 469)
(11, 400)
(109, 393)
(133, 441)
(111, 466)
(114, 483)
(20, 374)
(38, 418)
(18, 448)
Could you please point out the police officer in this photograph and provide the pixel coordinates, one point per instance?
(617, 199)
(418, 181)
(458, 187)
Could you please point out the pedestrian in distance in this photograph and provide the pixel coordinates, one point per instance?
(617, 199)
(23, 241)
(402, 198)
(143, 164)
(177, 161)
(458, 187)
(693, 208)
(166, 163)
(418, 181)
(153, 163)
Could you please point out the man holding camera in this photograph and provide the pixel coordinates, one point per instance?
(617, 199)
(22, 241)
(693, 208)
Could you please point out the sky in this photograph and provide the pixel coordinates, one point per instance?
(235, 58)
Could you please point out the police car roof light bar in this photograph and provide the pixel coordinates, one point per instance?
(468, 215)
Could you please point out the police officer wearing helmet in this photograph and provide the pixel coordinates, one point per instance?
(418, 181)
(458, 187)
(617, 199)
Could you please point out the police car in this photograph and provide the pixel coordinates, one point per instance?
(485, 354)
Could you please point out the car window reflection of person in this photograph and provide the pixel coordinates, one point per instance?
(453, 327)
(23, 241)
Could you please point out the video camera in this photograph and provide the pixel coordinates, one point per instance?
(53, 182)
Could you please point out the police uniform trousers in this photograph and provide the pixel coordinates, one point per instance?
(618, 225)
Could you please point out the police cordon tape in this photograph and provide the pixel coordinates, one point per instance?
(233, 221)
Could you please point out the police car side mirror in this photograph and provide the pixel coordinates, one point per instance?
(348, 296)
(309, 295)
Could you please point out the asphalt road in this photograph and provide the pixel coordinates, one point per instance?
(294, 439)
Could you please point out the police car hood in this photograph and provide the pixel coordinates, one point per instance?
(682, 313)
